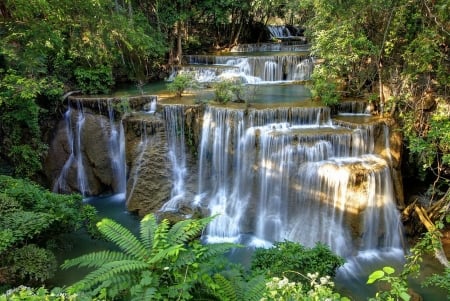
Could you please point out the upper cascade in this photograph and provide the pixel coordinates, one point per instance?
(285, 32)
(251, 69)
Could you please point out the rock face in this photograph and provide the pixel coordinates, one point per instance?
(94, 153)
(149, 177)
(80, 157)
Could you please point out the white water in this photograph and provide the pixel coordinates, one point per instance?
(117, 151)
(75, 153)
(141, 148)
(287, 174)
(279, 31)
(250, 69)
(174, 116)
(116, 148)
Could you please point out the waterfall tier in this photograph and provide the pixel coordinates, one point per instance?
(250, 69)
(267, 172)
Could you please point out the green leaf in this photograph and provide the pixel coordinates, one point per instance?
(405, 296)
(389, 270)
(375, 276)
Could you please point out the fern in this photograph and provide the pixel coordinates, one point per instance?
(95, 260)
(163, 263)
(213, 250)
(160, 236)
(148, 228)
(110, 272)
(255, 288)
(187, 230)
(226, 290)
(122, 237)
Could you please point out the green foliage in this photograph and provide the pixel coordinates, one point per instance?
(294, 260)
(228, 90)
(20, 121)
(94, 81)
(398, 286)
(232, 285)
(30, 216)
(31, 264)
(440, 280)
(324, 88)
(182, 82)
(163, 263)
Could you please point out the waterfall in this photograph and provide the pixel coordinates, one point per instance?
(224, 195)
(75, 153)
(174, 116)
(117, 151)
(291, 173)
(141, 148)
(74, 173)
(251, 69)
(279, 32)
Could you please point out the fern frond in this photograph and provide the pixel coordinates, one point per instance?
(254, 289)
(183, 259)
(178, 232)
(111, 272)
(225, 288)
(148, 228)
(123, 238)
(168, 253)
(160, 236)
(187, 230)
(95, 259)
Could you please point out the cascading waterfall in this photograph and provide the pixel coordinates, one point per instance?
(251, 69)
(174, 116)
(142, 146)
(279, 31)
(280, 168)
(117, 151)
(115, 146)
(75, 155)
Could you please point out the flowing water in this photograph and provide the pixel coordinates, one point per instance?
(287, 172)
(74, 120)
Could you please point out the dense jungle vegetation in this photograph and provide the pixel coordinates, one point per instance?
(396, 53)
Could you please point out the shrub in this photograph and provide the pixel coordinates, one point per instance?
(31, 264)
(182, 82)
(227, 90)
(296, 261)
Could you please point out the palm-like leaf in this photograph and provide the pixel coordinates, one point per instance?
(95, 260)
(161, 254)
(148, 228)
(187, 230)
(123, 238)
(111, 271)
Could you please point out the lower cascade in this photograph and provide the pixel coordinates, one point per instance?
(290, 173)
(269, 174)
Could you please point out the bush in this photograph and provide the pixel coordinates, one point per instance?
(30, 217)
(31, 264)
(227, 90)
(295, 261)
(182, 82)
